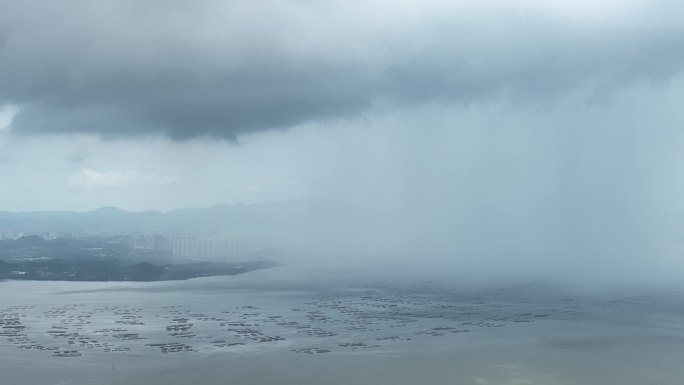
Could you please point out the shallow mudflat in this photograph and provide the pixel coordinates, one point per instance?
(207, 332)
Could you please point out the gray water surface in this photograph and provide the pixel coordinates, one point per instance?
(248, 330)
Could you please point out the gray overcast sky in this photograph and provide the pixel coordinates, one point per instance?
(189, 69)
(166, 104)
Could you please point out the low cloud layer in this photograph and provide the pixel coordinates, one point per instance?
(209, 68)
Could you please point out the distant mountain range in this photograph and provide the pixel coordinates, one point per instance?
(305, 221)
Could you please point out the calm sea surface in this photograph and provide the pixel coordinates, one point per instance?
(261, 329)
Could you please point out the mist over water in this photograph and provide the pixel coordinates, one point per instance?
(496, 191)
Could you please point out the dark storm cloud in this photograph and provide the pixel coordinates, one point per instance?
(219, 69)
